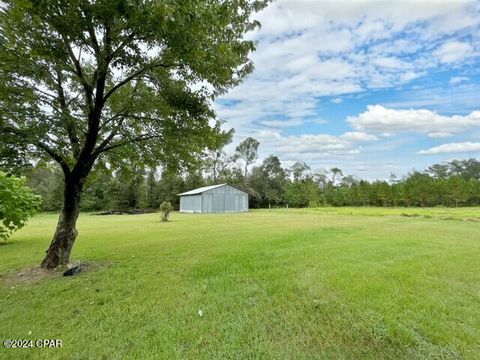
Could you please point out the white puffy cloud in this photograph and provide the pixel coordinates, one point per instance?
(454, 51)
(358, 136)
(462, 147)
(458, 80)
(454, 99)
(312, 55)
(378, 119)
(390, 63)
(439, 134)
(282, 123)
(307, 50)
(312, 146)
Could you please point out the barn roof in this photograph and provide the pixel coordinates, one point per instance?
(207, 188)
(201, 189)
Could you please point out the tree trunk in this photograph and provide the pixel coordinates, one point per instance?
(61, 246)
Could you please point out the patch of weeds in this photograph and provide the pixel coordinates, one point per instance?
(427, 350)
(472, 219)
(380, 331)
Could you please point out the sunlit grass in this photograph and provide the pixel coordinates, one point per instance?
(332, 283)
(443, 213)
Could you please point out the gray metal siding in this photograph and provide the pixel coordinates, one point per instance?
(236, 202)
(207, 203)
(191, 203)
(217, 200)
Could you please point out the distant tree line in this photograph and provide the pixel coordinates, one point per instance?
(456, 183)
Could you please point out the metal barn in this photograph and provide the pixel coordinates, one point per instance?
(214, 199)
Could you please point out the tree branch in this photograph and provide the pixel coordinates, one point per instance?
(126, 142)
(110, 137)
(105, 142)
(41, 145)
(125, 41)
(91, 31)
(79, 72)
(58, 158)
(133, 76)
(112, 118)
(87, 154)
(66, 117)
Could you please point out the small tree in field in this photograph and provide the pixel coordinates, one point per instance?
(117, 81)
(165, 208)
(17, 204)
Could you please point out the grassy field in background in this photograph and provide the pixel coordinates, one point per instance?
(441, 213)
(330, 283)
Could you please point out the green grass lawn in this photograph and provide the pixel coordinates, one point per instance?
(344, 283)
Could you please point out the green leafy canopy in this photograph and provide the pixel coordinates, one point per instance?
(17, 204)
(133, 79)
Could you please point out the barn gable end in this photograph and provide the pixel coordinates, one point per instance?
(221, 198)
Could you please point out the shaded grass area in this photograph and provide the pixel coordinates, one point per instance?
(297, 284)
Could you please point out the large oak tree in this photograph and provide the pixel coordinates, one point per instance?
(84, 81)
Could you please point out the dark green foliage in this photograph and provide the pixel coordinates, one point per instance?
(47, 181)
(151, 191)
(126, 191)
(268, 181)
(269, 184)
(17, 204)
(453, 184)
(99, 191)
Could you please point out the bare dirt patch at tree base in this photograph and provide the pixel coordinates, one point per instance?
(35, 273)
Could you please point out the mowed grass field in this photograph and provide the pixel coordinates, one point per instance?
(350, 283)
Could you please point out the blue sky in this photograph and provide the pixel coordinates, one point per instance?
(372, 87)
